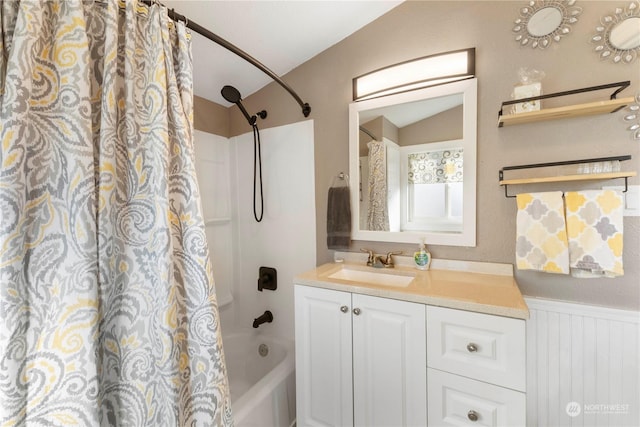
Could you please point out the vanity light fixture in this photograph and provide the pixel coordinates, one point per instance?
(417, 73)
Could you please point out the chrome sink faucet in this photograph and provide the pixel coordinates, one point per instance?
(380, 261)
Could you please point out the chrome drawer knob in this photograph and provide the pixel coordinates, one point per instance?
(472, 415)
(472, 348)
(344, 309)
(356, 311)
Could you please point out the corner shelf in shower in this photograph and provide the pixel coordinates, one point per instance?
(216, 221)
(566, 178)
(591, 108)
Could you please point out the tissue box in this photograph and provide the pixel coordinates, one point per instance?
(527, 91)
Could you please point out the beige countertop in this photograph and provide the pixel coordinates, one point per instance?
(479, 292)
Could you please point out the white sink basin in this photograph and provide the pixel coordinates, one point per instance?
(381, 277)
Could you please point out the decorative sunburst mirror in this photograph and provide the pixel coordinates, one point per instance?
(632, 117)
(542, 22)
(618, 35)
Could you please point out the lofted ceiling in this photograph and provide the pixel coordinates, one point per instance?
(280, 34)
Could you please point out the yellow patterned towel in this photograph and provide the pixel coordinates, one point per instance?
(594, 225)
(541, 236)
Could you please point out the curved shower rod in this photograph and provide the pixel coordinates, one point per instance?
(371, 135)
(306, 108)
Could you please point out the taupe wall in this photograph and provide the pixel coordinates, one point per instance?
(210, 117)
(420, 28)
(445, 126)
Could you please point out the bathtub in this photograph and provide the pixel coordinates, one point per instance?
(261, 373)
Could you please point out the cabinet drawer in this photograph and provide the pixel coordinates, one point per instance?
(455, 401)
(480, 346)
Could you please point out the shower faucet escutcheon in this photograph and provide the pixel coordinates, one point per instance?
(267, 279)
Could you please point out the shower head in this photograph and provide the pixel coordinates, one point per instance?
(232, 95)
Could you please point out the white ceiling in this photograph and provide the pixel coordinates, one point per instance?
(280, 34)
(408, 113)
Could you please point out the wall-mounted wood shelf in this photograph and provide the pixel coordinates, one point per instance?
(566, 178)
(590, 108)
(599, 107)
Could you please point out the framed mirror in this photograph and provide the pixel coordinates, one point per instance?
(412, 166)
(618, 35)
(541, 22)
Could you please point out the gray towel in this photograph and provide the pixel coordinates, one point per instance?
(339, 218)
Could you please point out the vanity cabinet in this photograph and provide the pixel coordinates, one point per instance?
(360, 360)
(477, 368)
(446, 348)
(371, 361)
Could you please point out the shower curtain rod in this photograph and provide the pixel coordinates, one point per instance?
(363, 129)
(306, 108)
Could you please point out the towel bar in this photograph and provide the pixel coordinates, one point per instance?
(566, 178)
(340, 177)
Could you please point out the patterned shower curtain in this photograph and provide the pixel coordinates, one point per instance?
(377, 212)
(108, 313)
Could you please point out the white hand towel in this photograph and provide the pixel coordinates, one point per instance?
(541, 237)
(595, 226)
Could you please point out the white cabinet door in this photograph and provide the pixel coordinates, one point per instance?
(460, 401)
(323, 357)
(389, 362)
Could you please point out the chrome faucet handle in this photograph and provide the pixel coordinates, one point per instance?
(371, 258)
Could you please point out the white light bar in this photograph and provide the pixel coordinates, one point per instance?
(415, 74)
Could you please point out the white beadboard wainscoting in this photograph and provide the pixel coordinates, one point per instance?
(582, 365)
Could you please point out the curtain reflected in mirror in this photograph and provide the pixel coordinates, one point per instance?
(377, 211)
(382, 175)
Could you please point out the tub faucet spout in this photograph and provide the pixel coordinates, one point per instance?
(266, 317)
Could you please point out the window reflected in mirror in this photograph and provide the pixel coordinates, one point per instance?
(433, 182)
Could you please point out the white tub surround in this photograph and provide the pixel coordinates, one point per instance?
(213, 169)
(370, 345)
(263, 394)
(286, 237)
